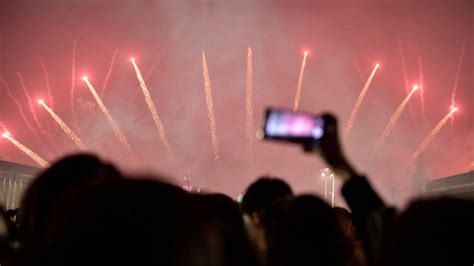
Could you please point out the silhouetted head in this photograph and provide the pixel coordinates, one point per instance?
(432, 232)
(304, 231)
(131, 222)
(64, 175)
(225, 216)
(263, 192)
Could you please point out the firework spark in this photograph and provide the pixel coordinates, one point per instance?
(153, 111)
(395, 117)
(35, 157)
(430, 137)
(210, 107)
(20, 109)
(73, 84)
(64, 127)
(147, 75)
(457, 77)
(360, 98)
(109, 72)
(422, 87)
(48, 84)
(31, 105)
(108, 117)
(300, 83)
(249, 101)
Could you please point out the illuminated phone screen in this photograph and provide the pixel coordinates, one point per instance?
(293, 126)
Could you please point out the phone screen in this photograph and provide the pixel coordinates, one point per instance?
(292, 126)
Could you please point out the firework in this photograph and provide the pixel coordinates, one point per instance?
(109, 72)
(48, 84)
(456, 78)
(426, 142)
(404, 66)
(20, 109)
(63, 126)
(147, 75)
(210, 107)
(35, 157)
(249, 100)
(360, 98)
(73, 84)
(108, 117)
(30, 104)
(394, 118)
(422, 87)
(300, 83)
(153, 111)
(359, 70)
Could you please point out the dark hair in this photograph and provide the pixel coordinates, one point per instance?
(130, 222)
(432, 232)
(225, 216)
(66, 174)
(304, 231)
(261, 193)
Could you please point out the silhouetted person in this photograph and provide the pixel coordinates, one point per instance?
(371, 217)
(66, 174)
(131, 222)
(225, 216)
(258, 196)
(435, 232)
(304, 231)
(261, 193)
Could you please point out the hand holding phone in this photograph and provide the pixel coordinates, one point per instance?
(317, 134)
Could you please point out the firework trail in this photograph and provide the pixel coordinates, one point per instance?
(48, 84)
(108, 117)
(73, 85)
(147, 75)
(426, 142)
(394, 118)
(20, 109)
(109, 72)
(404, 66)
(249, 101)
(360, 98)
(35, 157)
(300, 83)
(361, 75)
(210, 107)
(422, 87)
(456, 78)
(31, 105)
(153, 111)
(359, 70)
(63, 126)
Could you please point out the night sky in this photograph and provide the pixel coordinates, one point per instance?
(167, 39)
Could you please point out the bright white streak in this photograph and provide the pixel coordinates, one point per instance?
(35, 157)
(79, 143)
(153, 111)
(300, 83)
(249, 101)
(210, 107)
(395, 117)
(360, 98)
(426, 142)
(108, 117)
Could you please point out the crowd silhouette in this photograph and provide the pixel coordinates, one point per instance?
(84, 211)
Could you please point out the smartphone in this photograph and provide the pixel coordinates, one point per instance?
(295, 127)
